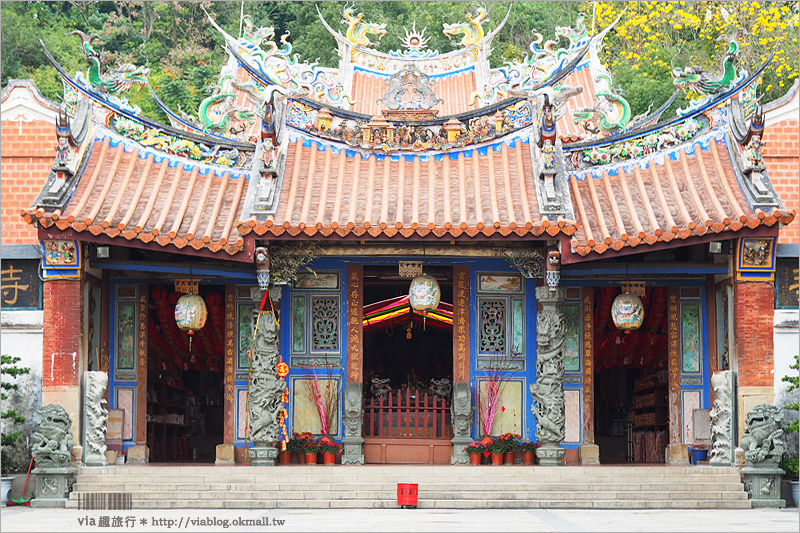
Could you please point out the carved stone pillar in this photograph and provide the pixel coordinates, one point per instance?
(96, 417)
(461, 416)
(548, 391)
(265, 391)
(722, 421)
(353, 420)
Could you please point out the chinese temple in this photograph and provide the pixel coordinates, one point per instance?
(379, 251)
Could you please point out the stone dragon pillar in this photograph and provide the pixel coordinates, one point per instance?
(96, 418)
(548, 391)
(265, 392)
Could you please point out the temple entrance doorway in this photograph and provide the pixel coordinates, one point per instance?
(631, 416)
(185, 383)
(408, 370)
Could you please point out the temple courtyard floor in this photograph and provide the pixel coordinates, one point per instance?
(25, 519)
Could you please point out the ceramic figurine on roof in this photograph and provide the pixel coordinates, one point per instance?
(115, 81)
(472, 30)
(357, 30)
(697, 81)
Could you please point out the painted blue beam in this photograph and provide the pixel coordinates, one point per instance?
(200, 271)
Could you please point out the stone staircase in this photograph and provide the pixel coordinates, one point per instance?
(440, 487)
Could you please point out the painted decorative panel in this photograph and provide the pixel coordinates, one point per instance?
(492, 327)
(298, 323)
(500, 283)
(306, 416)
(126, 336)
(245, 328)
(318, 280)
(690, 338)
(517, 327)
(510, 413)
(125, 402)
(241, 412)
(572, 415)
(324, 323)
(572, 338)
(691, 401)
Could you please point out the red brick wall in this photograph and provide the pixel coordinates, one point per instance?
(63, 309)
(781, 159)
(754, 306)
(26, 161)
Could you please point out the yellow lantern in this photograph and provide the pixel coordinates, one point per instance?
(424, 293)
(191, 314)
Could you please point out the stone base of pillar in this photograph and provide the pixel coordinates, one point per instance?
(53, 485)
(260, 455)
(353, 452)
(590, 454)
(226, 454)
(460, 457)
(677, 454)
(550, 455)
(138, 455)
(763, 485)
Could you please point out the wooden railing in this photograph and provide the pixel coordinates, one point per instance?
(407, 414)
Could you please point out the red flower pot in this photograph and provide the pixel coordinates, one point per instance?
(527, 458)
(508, 458)
(301, 458)
(328, 458)
(285, 457)
(475, 458)
(497, 458)
(311, 458)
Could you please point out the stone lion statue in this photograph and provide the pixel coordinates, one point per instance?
(52, 440)
(761, 440)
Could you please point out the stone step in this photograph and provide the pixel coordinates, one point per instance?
(436, 504)
(463, 494)
(376, 470)
(524, 487)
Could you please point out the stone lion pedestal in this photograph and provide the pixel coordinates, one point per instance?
(53, 485)
(52, 450)
(762, 443)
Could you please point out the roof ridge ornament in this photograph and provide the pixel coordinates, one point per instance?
(357, 30)
(409, 89)
(695, 81)
(472, 30)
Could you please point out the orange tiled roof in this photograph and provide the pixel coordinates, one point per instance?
(129, 191)
(333, 191)
(688, 191)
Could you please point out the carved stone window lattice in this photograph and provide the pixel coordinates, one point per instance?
(493, 326)
(324, 323)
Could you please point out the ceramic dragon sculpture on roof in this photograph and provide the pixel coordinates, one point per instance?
(613, 111)
(472, 30)
(114, 81)
(357, 30)
(697, 81)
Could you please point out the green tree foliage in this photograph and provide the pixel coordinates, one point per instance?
(651, 38)
(185, 53)
(10, 440)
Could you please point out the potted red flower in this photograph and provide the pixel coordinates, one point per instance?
(328, 448)
(528, 450)
(475, 450)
